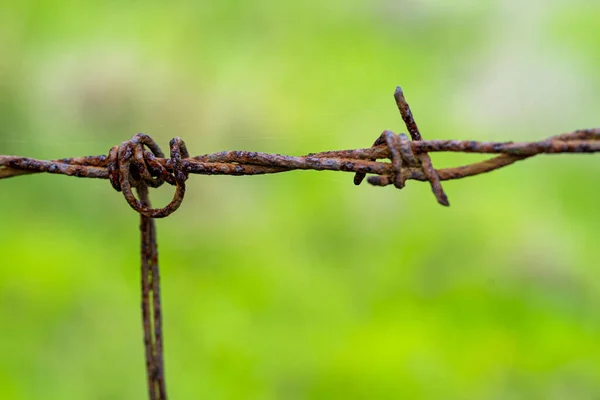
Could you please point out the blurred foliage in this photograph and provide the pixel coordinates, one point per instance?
(300, 285)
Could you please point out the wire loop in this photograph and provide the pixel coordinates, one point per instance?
(131, 165)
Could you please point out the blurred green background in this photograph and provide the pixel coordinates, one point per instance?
(301, 285)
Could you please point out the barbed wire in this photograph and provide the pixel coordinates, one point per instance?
(140, 163)
(409, 161)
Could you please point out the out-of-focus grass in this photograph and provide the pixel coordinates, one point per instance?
(301, 285)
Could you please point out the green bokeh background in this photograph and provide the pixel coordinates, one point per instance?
(301, 285)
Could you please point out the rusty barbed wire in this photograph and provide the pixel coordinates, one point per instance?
(409, 161)
(139, 163)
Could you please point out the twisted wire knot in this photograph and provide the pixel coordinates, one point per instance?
(400, 153)
(132, 165)
(405, 164)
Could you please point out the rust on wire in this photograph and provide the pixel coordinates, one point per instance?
(141, 160)
(151, 309)
(139, 163)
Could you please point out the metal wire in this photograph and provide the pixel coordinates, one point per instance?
(139, 163)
